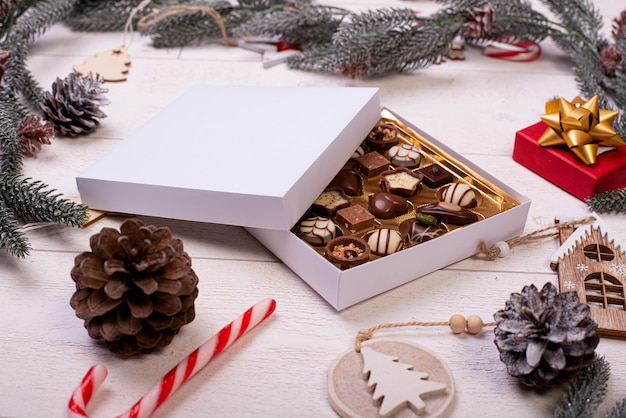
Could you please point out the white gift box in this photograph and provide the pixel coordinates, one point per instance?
(258, 157)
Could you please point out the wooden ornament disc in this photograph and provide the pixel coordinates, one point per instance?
(350, 396)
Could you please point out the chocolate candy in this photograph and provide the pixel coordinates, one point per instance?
(347, 251)
(435, 176)
(449, 213)
(383, 135)
(331, 200)
(359, 152)
(349, 181)
(401, 181)
(460, 194)
(355, 218)
(419, 233)
(385, 241)
(386, 205)
(317, 230)
(371, 164)
(404, 155)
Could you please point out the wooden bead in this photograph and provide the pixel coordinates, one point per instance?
(503, 247)
(457, 323)
(474, 324)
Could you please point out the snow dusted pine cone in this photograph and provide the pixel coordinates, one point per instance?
(73, 106)
(544, 336)
(135, 289)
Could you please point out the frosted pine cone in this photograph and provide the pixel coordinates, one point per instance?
(479, 21)
(544, 335)
(135, 289)
(73, 106)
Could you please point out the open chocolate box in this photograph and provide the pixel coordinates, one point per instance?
(270, 159)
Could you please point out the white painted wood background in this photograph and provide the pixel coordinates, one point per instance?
(280, 369)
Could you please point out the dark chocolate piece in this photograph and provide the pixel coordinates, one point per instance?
(349, 181)
(401, 181)
(330, 201)
(371, 164)
(449, 213)
(355, 218)
(387, 205)
(347, 251)
(383, 135)
(435, 176)
(419, 233)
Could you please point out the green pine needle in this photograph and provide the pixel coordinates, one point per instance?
(11, 237)
(31, 201)
(586, 391)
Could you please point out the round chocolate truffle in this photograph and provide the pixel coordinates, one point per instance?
(460, 194)
(385, 241)
(317, 230)
(347, 251)
(404, 155)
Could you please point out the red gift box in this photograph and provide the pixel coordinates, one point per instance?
(561, 167)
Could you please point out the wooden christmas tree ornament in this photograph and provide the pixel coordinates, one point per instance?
(390, 378)
(111, 65)
(593, 264)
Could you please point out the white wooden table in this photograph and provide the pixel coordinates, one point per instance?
(280, 369)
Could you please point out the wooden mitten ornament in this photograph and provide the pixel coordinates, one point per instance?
(111, 65)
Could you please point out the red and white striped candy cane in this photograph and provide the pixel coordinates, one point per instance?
(182, 372)
(520, 51)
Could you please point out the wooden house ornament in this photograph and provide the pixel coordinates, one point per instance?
(594, 265)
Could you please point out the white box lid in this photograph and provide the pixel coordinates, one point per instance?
(248, 156)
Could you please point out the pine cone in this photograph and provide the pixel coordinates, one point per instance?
(73, 106)
(544, 336)
(479, 21)
(4, 58)
(135, 289)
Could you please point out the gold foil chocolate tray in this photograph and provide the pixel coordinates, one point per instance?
(491, 200)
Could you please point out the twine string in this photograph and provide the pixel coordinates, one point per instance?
(128, 27)
(367, 334)
(161, 14)
(491, 253)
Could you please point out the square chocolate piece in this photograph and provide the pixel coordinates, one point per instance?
(355, 218)
(372, 164)
(435, 176)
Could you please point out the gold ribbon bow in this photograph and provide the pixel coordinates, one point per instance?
(581, 126)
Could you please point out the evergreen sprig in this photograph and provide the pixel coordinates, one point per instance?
(32, 201)
(11, 236)
(586, 391)
(613, 201)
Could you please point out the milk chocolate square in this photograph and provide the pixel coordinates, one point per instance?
(372, 164)
(355, 218)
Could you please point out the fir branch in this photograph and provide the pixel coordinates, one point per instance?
(308, 26)
(11, 237)
(33, 22)
(586, 391)
(578, 17)
(613, 201)
(618, 411)
(193, 26)
(11, 148)
(103, 16)
(30, 202)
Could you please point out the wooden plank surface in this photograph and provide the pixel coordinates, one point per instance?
(474, 106)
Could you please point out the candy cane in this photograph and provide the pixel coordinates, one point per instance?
(521, 51)
(182, 372)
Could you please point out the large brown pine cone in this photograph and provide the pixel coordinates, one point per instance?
(73, 106)
(135, 289)
(543, 336)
